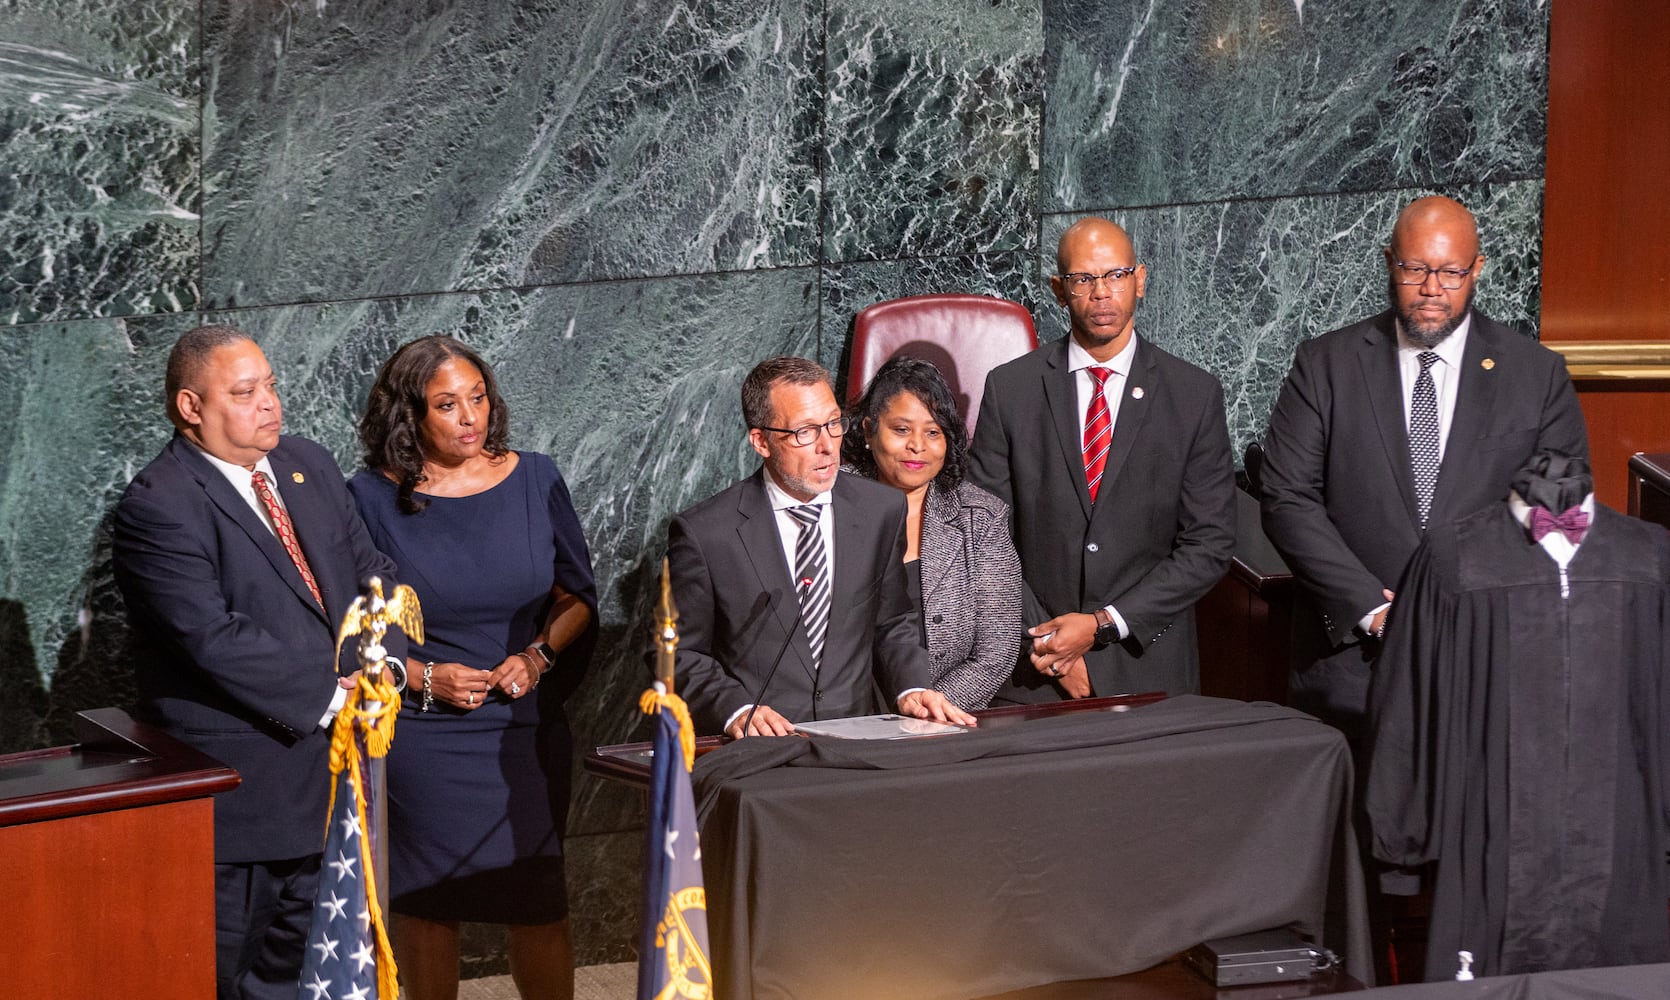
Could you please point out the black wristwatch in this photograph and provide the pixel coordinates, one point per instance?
(546, 653)
(1107, 630)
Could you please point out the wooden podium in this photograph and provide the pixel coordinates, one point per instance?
(107, 856)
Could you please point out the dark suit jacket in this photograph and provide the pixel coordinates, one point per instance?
(1160, 533)
(739, 612)
(971, 593)
(1337, 494)
(234, 656)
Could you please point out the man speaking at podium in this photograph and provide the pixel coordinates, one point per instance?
(790, 584)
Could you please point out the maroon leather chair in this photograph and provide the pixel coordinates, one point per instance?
(966, 336)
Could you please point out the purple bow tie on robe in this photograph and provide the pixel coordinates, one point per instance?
(1572, 523)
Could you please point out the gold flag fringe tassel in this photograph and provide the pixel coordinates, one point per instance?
(653, 701)
(379, 733)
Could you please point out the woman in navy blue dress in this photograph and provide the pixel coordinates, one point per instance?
(478, 774)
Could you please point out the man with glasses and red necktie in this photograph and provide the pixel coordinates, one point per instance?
(1114, 457)
(1409, 418)
(238, 551)
(790, 584)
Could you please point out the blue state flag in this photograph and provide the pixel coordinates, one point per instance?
(673, 948)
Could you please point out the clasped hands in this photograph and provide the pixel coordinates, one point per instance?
(924, 704)
(468, 688)
(1058, 648)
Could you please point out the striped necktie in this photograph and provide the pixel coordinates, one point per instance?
(1098, 432)
(811, 578)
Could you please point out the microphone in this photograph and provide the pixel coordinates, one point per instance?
(799, 626)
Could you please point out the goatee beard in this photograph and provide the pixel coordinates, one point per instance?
(1429, 336)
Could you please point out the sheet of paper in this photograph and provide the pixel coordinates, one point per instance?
(877, 727)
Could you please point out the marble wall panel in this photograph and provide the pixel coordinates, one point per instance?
(1234, 287)
(405, 147)
(931, 127)
(605, 894)
(1200, 100)
(99, 192)
(632, 387)
(81, 403)
(848, 288)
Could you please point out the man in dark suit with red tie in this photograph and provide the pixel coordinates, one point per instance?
(1114, 456)
(1414, 417)
(238, 551)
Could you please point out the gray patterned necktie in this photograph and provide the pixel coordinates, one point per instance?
(1423, 436)
(811, 578)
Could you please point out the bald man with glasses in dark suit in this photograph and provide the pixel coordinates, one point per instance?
(1114, 457)
(1410, 418)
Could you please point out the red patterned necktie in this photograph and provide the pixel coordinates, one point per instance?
(1098, 432)
(286, 533)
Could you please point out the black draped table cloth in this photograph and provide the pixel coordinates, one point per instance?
(1073, 847)
(1624, 982)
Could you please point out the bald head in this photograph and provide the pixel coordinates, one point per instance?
(1435, 216)
(1099, 280)
(1433, 265)
(1083, 236)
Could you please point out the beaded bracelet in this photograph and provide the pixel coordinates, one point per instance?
(428, 694)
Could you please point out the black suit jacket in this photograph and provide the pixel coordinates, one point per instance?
(1338, 496)
(739, 612)
(1160, 533)
(233, 654)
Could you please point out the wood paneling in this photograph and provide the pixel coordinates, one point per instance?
(1606, 211)
(115, 904)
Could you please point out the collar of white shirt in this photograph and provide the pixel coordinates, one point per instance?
(1079, 358)
(1449, 350)
(780, 500)
(241, 478)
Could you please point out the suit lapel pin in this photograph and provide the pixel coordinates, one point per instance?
(1487, 364)
(297, 477)
(1136, 392)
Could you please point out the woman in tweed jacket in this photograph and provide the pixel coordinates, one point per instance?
(968, 578)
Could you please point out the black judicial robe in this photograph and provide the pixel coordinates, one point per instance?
(1518, 740)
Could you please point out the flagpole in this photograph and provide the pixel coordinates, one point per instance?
(372, 655)
(666, 637)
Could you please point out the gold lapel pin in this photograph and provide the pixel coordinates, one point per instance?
(1136, 392)
(1487, 364)
(297, 477)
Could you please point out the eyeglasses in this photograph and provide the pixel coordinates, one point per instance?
(806, 435)
(1079, 283)
(1449, 278)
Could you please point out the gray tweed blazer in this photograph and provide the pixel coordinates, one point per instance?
(971, 593)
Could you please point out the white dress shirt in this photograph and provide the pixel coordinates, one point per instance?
(788, 533)
(1079, 362)
(243, 480)
(1446, 375)
(1446, 385)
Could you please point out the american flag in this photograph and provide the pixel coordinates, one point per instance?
(342, 953)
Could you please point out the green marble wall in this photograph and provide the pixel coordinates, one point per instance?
(624, 205)
(1259, 150)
